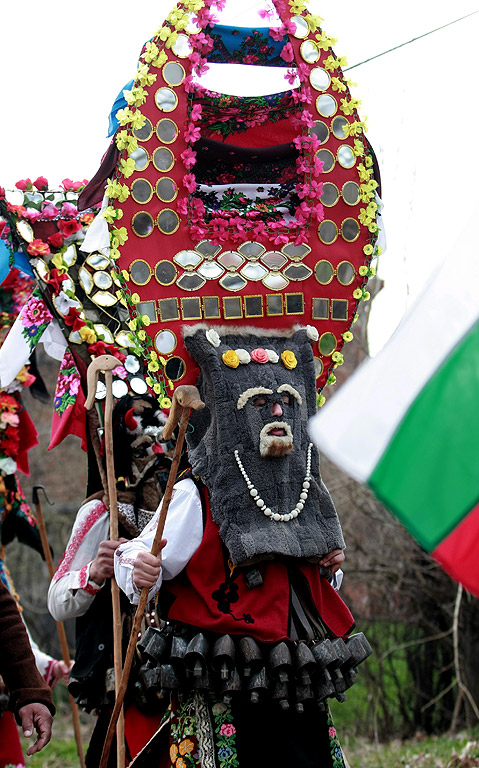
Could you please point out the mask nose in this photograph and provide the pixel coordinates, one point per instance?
(276, 410)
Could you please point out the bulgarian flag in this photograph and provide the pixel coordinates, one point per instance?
(407, 422)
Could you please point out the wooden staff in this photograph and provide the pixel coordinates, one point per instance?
(60, 626)
(107, 363)
(185, 398)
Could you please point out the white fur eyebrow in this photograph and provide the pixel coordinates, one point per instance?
(252, 392)
(292, 391)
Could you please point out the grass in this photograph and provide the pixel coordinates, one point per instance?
(460, 751)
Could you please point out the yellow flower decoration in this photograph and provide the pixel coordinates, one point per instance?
(120, 234)
(153, 366)
(135, 298)
(151, 52)
(57, 260)
(88, 334)
(230, 358)
(127, 167)
(145, 320)
(157, 388)
(186, 747)
(357, 293)
(165, 402)
(142, 335)
(289, 359)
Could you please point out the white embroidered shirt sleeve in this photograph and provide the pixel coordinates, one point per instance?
(183, 532)
(71, 591)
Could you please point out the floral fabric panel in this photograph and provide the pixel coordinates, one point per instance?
(244, 45)
(336, 751)
(252, 200)
(35, 317)
(186, 732)
(224, 115)
(68, 384)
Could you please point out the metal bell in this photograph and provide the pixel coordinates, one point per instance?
(280, 694)
(178, 649)
(359, 650)
(153, 644)
(303, 693)
(149, 676)
(195, 656)
(280, 662)
(258, 685)
(324, 654)
(231, 687)
(304, 663)
(169, 680)
(223, 656)
(250, 656)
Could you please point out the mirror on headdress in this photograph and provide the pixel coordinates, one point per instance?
(165, 272)
(166, 99)
(167, 130)
(168, 221)
(166, 190)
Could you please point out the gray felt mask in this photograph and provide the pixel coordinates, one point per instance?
(252, 439)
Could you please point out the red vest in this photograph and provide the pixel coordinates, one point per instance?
(211, 596)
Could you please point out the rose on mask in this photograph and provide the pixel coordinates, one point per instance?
(259, 355)
(230, 358)
(289, 359)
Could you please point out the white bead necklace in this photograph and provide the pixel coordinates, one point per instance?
(264, 507)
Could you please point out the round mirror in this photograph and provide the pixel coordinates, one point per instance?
(327, 344)
(165, 342)
(141, 191)
(142, 224)
(327, 232)
(340, 127)
(138, 385)
(165, 272)
(318, 367)
(321, 131)
(327, 159)
(173, 73)
(166, 99)
(168, 221)
(324, 272)
(100, 393)
(350, 230)
(330, 194)
(102, 280)
(350, 193)
(175, 368)
(167, 130)
(346, 156)
(345, 272)
(181, 48)
(310, 51)
(119, 388)
(302, 27)
(132, 364)
(166, 190)
(319, 79)
(25, 231)
(141, 158)
(145, 132)
(326, 105)
(140, 272)
(163, 159)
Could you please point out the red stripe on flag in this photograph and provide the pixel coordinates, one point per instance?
(458, 553)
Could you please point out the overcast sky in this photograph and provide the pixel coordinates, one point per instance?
(62, 66)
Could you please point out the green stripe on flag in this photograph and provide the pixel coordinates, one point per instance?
(429, 474)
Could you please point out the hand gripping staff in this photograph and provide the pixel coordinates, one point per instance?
(60, 626)
(185, 399)
(108, 363)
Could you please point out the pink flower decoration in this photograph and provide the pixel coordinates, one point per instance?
(49, 211)
(41, 183)
(277, 33)
(259, 355)
(68, 209)
(287, 54)
(227, 729)
(24, 184)
(189, 182)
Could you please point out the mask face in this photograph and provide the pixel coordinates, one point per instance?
(251, 444)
